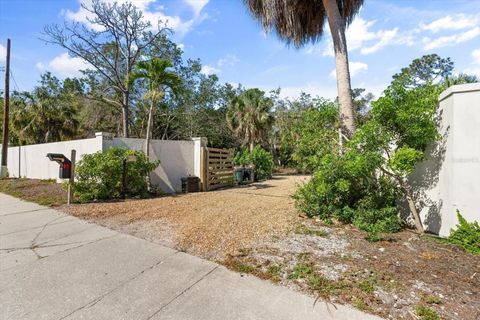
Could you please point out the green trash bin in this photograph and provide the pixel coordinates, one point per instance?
(238, 172)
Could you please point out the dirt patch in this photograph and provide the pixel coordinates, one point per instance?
(44, 192)
(212, 224)
(402, 277)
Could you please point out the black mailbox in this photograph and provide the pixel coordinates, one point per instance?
(65, 169)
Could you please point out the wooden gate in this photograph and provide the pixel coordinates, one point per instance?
(217, 168)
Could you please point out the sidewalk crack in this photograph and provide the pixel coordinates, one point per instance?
(102, 296)
(182, 293)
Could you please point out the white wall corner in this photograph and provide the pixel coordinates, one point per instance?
(104, 140)
(198, 143)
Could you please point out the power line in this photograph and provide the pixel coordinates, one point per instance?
(14, 81)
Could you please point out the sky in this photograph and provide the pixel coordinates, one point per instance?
(384, 37)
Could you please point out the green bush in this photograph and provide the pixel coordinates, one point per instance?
(260, 158)
(99, 175)
(348, 190)
(467, 235)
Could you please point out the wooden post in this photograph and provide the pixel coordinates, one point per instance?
(72, 176)
(203, 168)
(6, 113)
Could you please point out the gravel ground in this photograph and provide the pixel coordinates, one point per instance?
(256, 229)
(212, 224)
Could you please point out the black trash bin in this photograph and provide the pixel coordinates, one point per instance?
(190, 184)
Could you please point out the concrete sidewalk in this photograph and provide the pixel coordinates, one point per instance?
(54, 266)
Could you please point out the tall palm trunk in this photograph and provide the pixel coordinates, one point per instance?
(337, 27)
(148, 137)
(125, 113)
(149, 128)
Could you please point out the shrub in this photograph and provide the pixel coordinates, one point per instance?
(99, 175)
(260, 158)
(467, 235)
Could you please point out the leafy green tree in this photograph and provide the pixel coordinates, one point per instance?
(249, 117)
(423, 71)
(159, 76)
(361, 186)
(315, 134)
(47, 114)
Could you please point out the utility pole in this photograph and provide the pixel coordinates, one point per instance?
(6, 114)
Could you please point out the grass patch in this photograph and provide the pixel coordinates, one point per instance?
(311, 232)
(301, 271)
(360, 304)
(273, 273)
(44, 192)
(430, 299)
(426, 313)
(367, 286)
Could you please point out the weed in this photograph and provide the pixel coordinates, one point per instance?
(430, 299)
(367, 286)
(233, 264)
(325, 287)
(301, 271)
(304, 255)
(426, 313)
(311, 232)
(243, 252)
(274, 273)
(360, 304)
(245, 268)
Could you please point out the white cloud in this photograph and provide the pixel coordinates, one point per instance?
(386, 37)
(197, 5)
(152, 13)
(450, 40)
(64, 65)
(355, 68)
(472, 71)
(476, 56)
(3, 53)
(313, 88)
(208, 70)
(459, 22)
(360, 37)
(229, 60)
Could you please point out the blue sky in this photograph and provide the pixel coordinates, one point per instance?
(384, 37)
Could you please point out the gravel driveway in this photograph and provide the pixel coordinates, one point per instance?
(210, 224)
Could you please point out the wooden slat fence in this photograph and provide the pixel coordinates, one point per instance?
(217, 168)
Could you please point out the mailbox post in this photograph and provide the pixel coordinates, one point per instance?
(65, 169)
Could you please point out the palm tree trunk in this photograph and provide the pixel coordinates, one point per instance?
(125, 113)
(337, 28)
(149, 129)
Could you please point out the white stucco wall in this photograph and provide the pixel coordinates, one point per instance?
(177, 158)
(449, 178)
(33, 162)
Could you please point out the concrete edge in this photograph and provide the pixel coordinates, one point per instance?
(459, 88)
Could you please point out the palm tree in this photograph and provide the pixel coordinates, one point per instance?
(158, 76)
(248, 116)
(300, 22)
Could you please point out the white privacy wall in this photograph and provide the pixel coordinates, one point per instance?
(177, 158)
(31, 161)
(449, 178)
